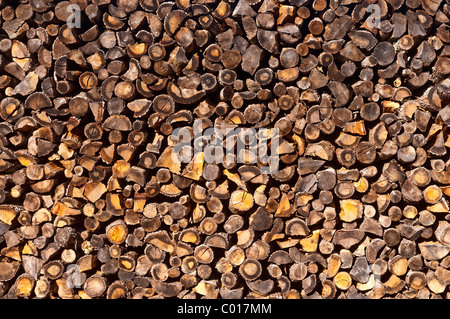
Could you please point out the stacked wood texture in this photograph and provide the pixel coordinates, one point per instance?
(92, 205)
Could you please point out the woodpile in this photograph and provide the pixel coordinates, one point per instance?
(93, 204)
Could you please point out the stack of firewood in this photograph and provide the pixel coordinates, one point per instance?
(94, 204)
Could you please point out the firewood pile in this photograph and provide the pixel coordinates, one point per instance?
(326, 175)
